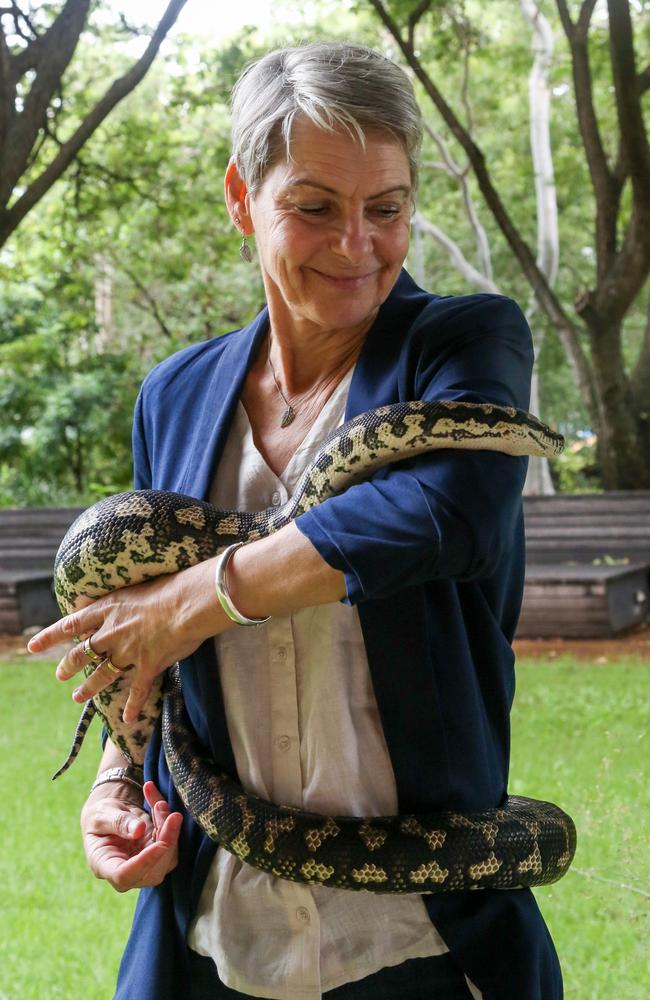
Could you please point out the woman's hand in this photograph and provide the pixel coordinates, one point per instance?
(144, 628)
(124, 844)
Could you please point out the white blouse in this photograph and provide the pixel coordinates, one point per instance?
(305, 731)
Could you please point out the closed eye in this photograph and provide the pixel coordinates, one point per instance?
(387, 211)
(383, 211)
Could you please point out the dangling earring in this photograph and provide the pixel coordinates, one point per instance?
(245, 251)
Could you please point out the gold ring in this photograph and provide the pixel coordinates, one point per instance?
(111, 666)
(90, 654)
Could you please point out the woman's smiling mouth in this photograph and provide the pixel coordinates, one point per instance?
(345, 281)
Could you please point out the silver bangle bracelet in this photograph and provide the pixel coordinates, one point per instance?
(133, 775)
(221, 586)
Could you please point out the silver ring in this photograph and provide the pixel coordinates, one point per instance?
(90, 654)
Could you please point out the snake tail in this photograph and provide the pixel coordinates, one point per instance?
(87, 715)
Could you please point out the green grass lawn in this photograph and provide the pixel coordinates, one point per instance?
(580, 738)
(61, 930)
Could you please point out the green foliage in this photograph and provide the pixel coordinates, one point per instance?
(141, 216)
(576, 470)
(67, 407)
(140, 220)
(67, 439)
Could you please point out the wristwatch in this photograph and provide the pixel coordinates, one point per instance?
(132, 774)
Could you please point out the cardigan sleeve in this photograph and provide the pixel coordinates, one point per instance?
(448, 514)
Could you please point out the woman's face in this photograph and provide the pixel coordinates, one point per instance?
(332, 227)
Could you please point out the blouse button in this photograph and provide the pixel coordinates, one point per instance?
(283, 743)
(276, 499)
(303, 915)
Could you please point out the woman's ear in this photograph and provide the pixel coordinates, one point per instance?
(235, 191)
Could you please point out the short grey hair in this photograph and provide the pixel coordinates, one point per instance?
(335, 85)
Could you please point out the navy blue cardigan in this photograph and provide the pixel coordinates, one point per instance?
(433, 554)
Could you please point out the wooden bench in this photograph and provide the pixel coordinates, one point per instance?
(587, 565)
(29, 539)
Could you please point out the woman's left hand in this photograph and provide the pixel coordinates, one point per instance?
(144, 628)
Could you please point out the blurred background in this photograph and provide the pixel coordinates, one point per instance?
(116, 250)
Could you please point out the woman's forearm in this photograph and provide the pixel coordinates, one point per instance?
(111, 757)
(281, 574)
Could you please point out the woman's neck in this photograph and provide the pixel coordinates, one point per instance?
(303, 355)
(311, 363)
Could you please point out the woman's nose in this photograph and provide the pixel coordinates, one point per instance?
(352, 239)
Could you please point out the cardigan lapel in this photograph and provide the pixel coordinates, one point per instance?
(218, 403)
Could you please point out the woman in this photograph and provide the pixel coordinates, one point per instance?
(382, 680)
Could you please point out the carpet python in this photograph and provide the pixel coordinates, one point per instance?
(137, 536)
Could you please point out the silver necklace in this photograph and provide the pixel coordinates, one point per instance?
(289, 413)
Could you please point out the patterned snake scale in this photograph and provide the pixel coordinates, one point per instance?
(132, 537)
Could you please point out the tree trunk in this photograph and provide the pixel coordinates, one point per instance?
(640, 382)
(622, 442)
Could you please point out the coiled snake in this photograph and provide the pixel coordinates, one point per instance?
(136, 536)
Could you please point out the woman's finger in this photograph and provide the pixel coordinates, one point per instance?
(138, 871)
(102, 677)
(152, 794)
(80, 656)
(138, 693)
(158, 805)
(82, 622)
(110, 820)
(152, 863)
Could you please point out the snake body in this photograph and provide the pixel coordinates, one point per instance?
(137, 536)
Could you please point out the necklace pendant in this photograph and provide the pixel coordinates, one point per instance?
(287, 416)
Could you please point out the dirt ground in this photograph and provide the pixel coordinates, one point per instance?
(634, 643)
(12, 646)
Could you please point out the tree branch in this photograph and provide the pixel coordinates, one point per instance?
(544, 294)
(416, 16)
(610, 301)
(7, 86)
(627, 270)
(464, 36)
(119, 89)
(643, 81)
(57, 48)
(634, 139)
(460, 174)
(469, 272)
(584, 18)
(91, 166)
(19, 13)
(151, 304)
(606, 191)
